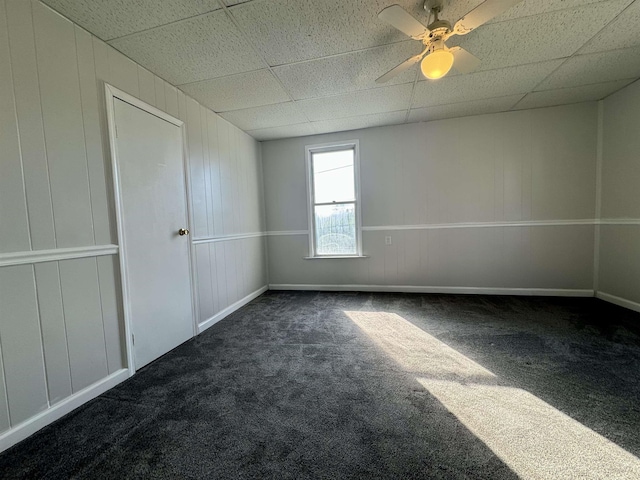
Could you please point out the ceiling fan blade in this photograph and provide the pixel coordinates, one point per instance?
(397, 17)
(463, 61)
(400, 68)
(482, 14)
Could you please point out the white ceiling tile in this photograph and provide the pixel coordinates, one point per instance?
(252, 89)
(115, 18)
(621, 33)
(479, 85)
(266, 116)
(364, 102)
(595, 68)
(456, 9)
(463, 109)
(289, 31)
(348, 72)
(287, 131)
(564, 96)
(201, 48)
(541, 37)
(363, 121)
(526, 8)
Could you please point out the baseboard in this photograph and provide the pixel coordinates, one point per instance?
(42, 419)
(551, 292)
(230, 309)
(621, 302)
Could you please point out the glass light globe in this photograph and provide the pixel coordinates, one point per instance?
(437, 64)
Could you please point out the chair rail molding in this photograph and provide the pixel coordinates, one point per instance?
(56, 254)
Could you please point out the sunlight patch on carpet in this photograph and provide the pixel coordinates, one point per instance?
(536, 440)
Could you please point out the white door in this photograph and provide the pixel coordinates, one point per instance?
(152, 211)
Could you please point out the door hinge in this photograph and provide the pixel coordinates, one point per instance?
(116, 131)
(133, 338)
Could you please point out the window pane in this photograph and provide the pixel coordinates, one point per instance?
(336, 229)
(333, 176)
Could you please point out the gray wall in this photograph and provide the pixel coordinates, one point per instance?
(619, 263)
(60, 320)
(533, 170)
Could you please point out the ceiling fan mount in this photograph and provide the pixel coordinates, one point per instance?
(438, 29)
(436, 58)
(433, 5)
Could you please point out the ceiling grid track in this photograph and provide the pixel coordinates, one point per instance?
(229, 13)
(575, 54)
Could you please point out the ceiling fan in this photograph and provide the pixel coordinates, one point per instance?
(437, 58)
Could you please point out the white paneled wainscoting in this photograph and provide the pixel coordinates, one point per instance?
(552, 257)
(231, 272)
(60, 336)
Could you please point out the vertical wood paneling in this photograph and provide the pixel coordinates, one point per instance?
(244, 187)
(196, 166)
(424, 255)
(260, 262)
(221, 272)
(380, 162)
(93, 138)
(514, 152)
(63, 126)
(214, 278)
(21, 343)
(83, 315)
(123, 72)
(147, 86)
(232, 272)
(233, 158)
(110, 301)
(412, 193)
(240, 176)
(54, 332)
(251, 265)
(373, 245)
(411, 257)
(391, 259)
(206, 166)
(255, 187)
(203, 266)
(226, 190)
(171, 100)
(14, 225)
(160, 93)
(102, 72)
(29, 114)
(214, 168)
(4, 406)
(240, 282)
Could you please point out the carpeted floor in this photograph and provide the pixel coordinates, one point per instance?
(355, 385)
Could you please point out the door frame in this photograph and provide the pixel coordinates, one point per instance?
(112, 93)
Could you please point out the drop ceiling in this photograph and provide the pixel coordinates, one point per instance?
(285, 68)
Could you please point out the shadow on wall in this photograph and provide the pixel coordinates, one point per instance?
(530, 436)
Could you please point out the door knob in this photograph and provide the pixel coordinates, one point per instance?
(183, 231)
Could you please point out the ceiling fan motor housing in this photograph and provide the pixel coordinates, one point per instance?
(438, 29)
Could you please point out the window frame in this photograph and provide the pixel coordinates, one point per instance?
(332, 147)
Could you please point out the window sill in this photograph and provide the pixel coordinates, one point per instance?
(322, 257)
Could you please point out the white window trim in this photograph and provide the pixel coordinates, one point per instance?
(328, 147)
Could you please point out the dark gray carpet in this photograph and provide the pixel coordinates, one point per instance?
(291, 387)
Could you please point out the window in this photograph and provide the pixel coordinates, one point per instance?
(334, 209)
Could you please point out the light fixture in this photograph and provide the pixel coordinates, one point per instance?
(437, 64)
